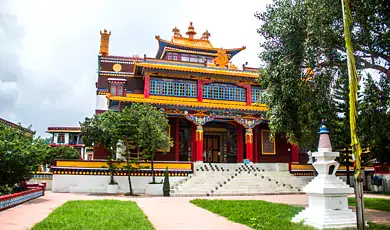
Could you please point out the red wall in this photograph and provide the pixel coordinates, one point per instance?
(99, 152)
(282, 153)
(169, 156)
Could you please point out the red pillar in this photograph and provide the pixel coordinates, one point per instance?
(177, 141)
(193, 143)
(248, 95)
(199, 143)
(294, 154)
(200, 90)
(240, 144)
(146, 86)
(249, 144)
(255, 145)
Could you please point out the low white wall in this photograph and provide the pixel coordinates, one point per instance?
(98, 184)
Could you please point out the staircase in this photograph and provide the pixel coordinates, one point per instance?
(238, 179)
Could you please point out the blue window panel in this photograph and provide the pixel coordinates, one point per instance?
(257, 95)
(172, 87)
(220, 91)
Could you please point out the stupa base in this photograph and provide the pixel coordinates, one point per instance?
(327, 218)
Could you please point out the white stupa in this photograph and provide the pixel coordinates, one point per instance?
(327, 193)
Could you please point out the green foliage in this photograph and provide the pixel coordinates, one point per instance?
(96, 214)
(373, 203)
(302, 35)
(166, 186)
(256, 214)
(61, 152)
(100, 130)
(20, 155)
(374, 118)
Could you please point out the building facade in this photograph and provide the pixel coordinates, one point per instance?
(215, 109)
(70, 136)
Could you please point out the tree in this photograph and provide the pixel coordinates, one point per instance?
(304, 52)
(61, 152)
(20, 155)
(99, 130)
(126, 130)
(152, 132)
(374, 118)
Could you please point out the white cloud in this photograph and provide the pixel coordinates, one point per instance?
(51, 47)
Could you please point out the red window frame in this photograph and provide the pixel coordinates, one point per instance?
(117, 90)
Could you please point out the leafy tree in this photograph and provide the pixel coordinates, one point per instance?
(142, 126)
(304, 52)
(61, 152)
(374, 118)
(20, 155)
(152, 132)
(126, 130)
(100, 130)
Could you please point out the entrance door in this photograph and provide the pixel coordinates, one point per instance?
(212, 148)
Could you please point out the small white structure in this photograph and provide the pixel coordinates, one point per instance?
(328, 201)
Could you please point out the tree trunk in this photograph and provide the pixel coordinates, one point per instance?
(152, 164)
(130, 187)
(347, 167)
(359, 203)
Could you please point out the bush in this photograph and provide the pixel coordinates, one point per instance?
(166, 186)
(19, 154)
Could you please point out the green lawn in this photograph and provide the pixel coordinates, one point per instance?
(96, 214)
(259, 214)
(373, 203)
(256, 214)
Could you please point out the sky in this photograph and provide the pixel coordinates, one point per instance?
(49, 49)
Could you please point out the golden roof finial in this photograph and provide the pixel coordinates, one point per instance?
(191, 32)
(104, 42)
(205, 35)
(176, 32)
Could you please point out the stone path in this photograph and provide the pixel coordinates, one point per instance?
(164, 212)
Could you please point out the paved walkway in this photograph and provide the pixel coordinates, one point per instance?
(164, 212)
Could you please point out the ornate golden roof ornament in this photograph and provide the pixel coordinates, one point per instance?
(222, 59)
(176, 32)
(205, 35)
(191, 32)
(104, 42)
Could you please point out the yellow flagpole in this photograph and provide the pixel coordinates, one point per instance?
(353, 90)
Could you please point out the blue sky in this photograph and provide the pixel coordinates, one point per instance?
(48, 49)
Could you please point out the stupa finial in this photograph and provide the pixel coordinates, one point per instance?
(324, 144)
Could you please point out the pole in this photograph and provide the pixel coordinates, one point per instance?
(353, 88)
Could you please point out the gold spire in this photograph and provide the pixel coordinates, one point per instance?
(191, 32)
(104, 42)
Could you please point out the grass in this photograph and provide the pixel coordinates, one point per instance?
(261, 215)
(256, 214)
(373, 203)
(96, 215)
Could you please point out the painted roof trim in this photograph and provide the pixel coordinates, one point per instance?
(163, 43)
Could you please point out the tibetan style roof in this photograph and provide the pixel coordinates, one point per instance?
(190, 43)
(189, 102)
(191, 68)
(16, 126)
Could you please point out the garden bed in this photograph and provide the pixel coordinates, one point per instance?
(12, 200)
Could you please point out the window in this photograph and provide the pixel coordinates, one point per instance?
(268, 146)
(185, 57)
(257, 95)
(116, 90)
(221, 91)
(171, 87)
(173, 56)
(61, 138)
